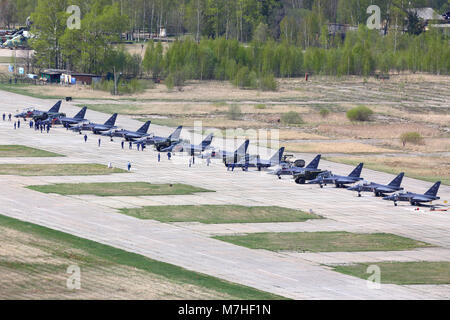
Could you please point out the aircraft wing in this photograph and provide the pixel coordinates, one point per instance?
(384, 189)
(420, 198)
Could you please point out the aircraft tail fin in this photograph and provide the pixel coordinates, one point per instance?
(111, 121)
(144, 128)
(207, 141)
(433, 190)
(315, 163)
(176, 134)
(242, 150)
(56, 107)
(81, 114)
(397, 180)
(276, 158)
(356, 173)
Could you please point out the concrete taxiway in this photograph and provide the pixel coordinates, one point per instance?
(189, 245)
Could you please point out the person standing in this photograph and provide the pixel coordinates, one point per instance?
(48, 128)
(129, 166)
(15, 125)
(9, 117)
(18, 124)
(159, 157)
(122, 144)
(85, 138)
(137, 146)
(130, 145)
(4, 116)
(99, 142)
(169, 155)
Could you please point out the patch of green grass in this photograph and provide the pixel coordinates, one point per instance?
(168, 122)
(23, 89)
(117, 256)
(219, 214)
(118, 189)
(323, 241)
(69, 169)
(113, 108)
(24, 151)
(6, 60)
(403, 273)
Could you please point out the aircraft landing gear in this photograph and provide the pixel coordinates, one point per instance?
(300, 181)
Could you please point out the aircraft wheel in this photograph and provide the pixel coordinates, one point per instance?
(321, 186)
(395, 204)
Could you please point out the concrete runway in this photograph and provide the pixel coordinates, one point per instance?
(293, 275)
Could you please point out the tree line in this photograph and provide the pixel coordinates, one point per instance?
(362, 53)
(259, 41)
(295, 20)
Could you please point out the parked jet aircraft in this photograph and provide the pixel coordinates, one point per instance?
(228, 156)
(416, 198)
(162, 142)
(340, 181)
(96, 128)
(191, 149)
(379, 189)
(129, 135)
(231, 159)
(79, 117)
(33, 113)
(301, 174)
(257, 162)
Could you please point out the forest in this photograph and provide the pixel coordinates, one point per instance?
(248, 42)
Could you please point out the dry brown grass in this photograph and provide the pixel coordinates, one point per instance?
(335, 147)
(376, 130)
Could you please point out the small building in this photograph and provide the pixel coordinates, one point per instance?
(426, 14)
(52, 75)
(72, 77)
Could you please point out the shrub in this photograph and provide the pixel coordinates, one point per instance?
(361, 113)
(411, 137)
(291, 117)
(174, 79)
(245, 78)
(234, 112)
(324, 112)
(260, 106)
(268, 83)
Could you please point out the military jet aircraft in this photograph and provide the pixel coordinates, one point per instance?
(67, 122)
(191, 149)
(301, 174)
(96, 128)
(379, 189)
(340, 181)
(416, 198)
(161, 142)
(228, 156)
(129, 135)
(33, 113)
(257, 162)
(231, 159)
